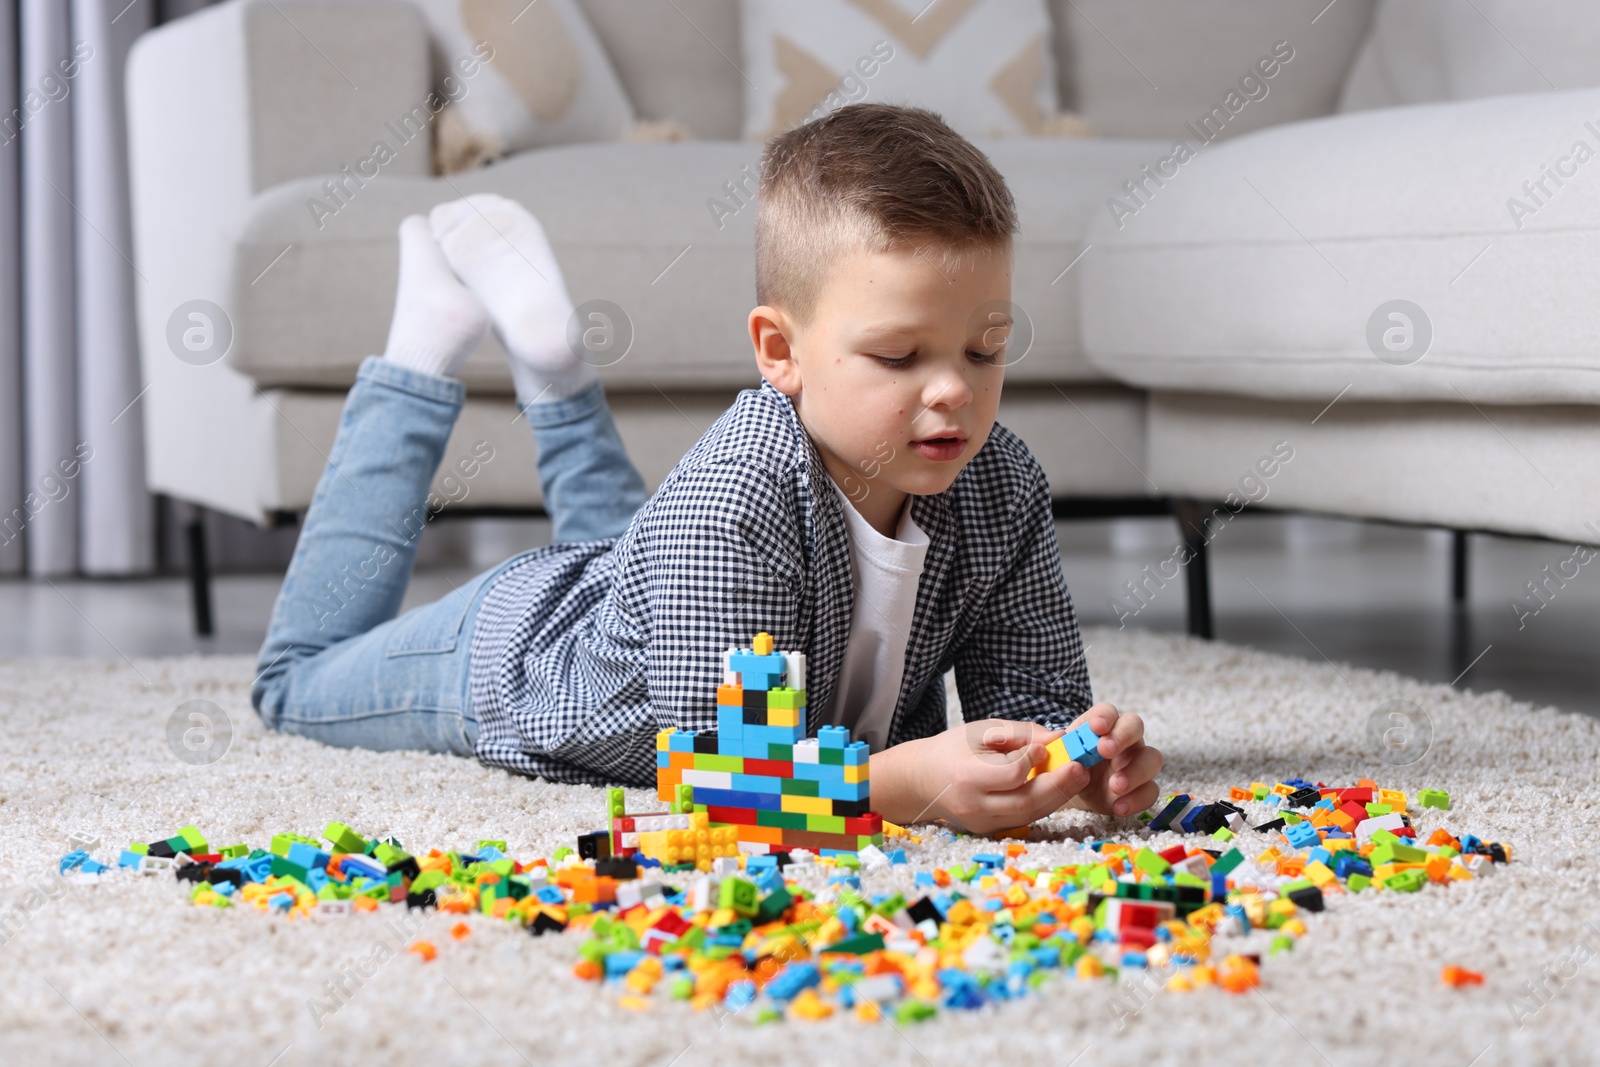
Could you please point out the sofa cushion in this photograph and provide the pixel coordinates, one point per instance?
(664, 231)
(545, 78)
(1143, 68)
(1269, 266)
(1424, 51)
(984, 65)
(677, 60)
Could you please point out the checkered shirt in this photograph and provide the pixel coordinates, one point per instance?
(582, 652)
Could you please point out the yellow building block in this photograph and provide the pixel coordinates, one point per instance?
(1057, 753)
(783, 716)
(661, 740)
(807, 805)
(855, 775)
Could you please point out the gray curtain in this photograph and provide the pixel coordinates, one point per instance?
(72, 491)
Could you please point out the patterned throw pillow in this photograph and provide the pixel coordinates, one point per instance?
(984, 65)
(547, 79)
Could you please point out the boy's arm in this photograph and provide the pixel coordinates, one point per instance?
(1023, 659)
(720, 557)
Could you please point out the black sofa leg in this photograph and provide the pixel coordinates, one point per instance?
(199, 570)
(1460, 621)
(1192, 516)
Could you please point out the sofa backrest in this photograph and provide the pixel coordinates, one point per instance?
(1134, 68)
(1426, 51)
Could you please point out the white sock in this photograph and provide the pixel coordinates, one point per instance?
(437, 321)
(501, 253)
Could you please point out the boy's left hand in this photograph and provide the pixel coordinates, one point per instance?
(1124, 783)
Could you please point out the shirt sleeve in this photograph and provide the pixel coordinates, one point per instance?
(722, 559)
(1024, 659)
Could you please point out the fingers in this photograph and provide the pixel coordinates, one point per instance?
(1037, 797)
(1136, 801)
(1142, 767)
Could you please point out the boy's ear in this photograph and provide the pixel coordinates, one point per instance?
(770, 333)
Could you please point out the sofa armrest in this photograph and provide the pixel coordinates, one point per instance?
(223, 105)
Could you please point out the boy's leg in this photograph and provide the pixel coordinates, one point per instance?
(591, 487)
(353, 560)
(500, 251)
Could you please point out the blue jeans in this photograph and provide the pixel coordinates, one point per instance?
(337, 665)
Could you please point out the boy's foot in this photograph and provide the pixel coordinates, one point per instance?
(501, 252)
(437, 321)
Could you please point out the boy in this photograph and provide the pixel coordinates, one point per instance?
(862, 506)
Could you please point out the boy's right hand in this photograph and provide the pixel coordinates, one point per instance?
(976, 776)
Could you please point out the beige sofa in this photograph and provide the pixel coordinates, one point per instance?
(1177, 336)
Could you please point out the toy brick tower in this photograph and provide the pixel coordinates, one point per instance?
(760, 774)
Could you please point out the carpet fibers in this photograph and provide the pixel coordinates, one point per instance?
(127, 972)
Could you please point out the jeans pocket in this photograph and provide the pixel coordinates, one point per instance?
(430, 629)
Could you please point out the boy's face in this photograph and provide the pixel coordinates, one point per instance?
(897, 377)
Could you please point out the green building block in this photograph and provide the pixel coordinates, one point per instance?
(1223, 834)
(1227, 862)
(1357, 882)
(1434, 798)
(740, 895)
(780, 752)
(1281, 943)
(500, 845)
(830, 757)
(195, 841)
(683, 799)
(773, 905)
(799, 787)
(914, 1011)
(344, 839)
(1151, 862)
(389, 855)
(825, 824)
(859, 945)
(1406, 881)
(681, 987)
(616, 804)
(786, 698)
(1375, 810)
(234, 851)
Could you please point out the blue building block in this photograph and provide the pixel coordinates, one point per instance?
(813, 772)
(663, 759)
(1165, 816)
(762, 736)
(680, 741)
(834, 787)
(730, 721)
(856, 754)
(787, 983)
(833, 737)
(307, 856)
(759, 672)
(735, 798)
(757, 783)
(1302, 835)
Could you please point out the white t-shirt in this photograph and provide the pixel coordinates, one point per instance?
(885, 573)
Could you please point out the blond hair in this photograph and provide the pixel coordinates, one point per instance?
(871, 177)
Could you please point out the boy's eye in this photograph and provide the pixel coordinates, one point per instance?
(990, 358)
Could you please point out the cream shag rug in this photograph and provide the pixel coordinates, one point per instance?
(128, 971)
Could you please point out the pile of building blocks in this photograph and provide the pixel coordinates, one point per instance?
(757, 773)
(792, 933)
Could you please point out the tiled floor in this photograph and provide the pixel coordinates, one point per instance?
(1372, 595)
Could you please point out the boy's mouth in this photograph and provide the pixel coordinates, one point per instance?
(941, 447)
